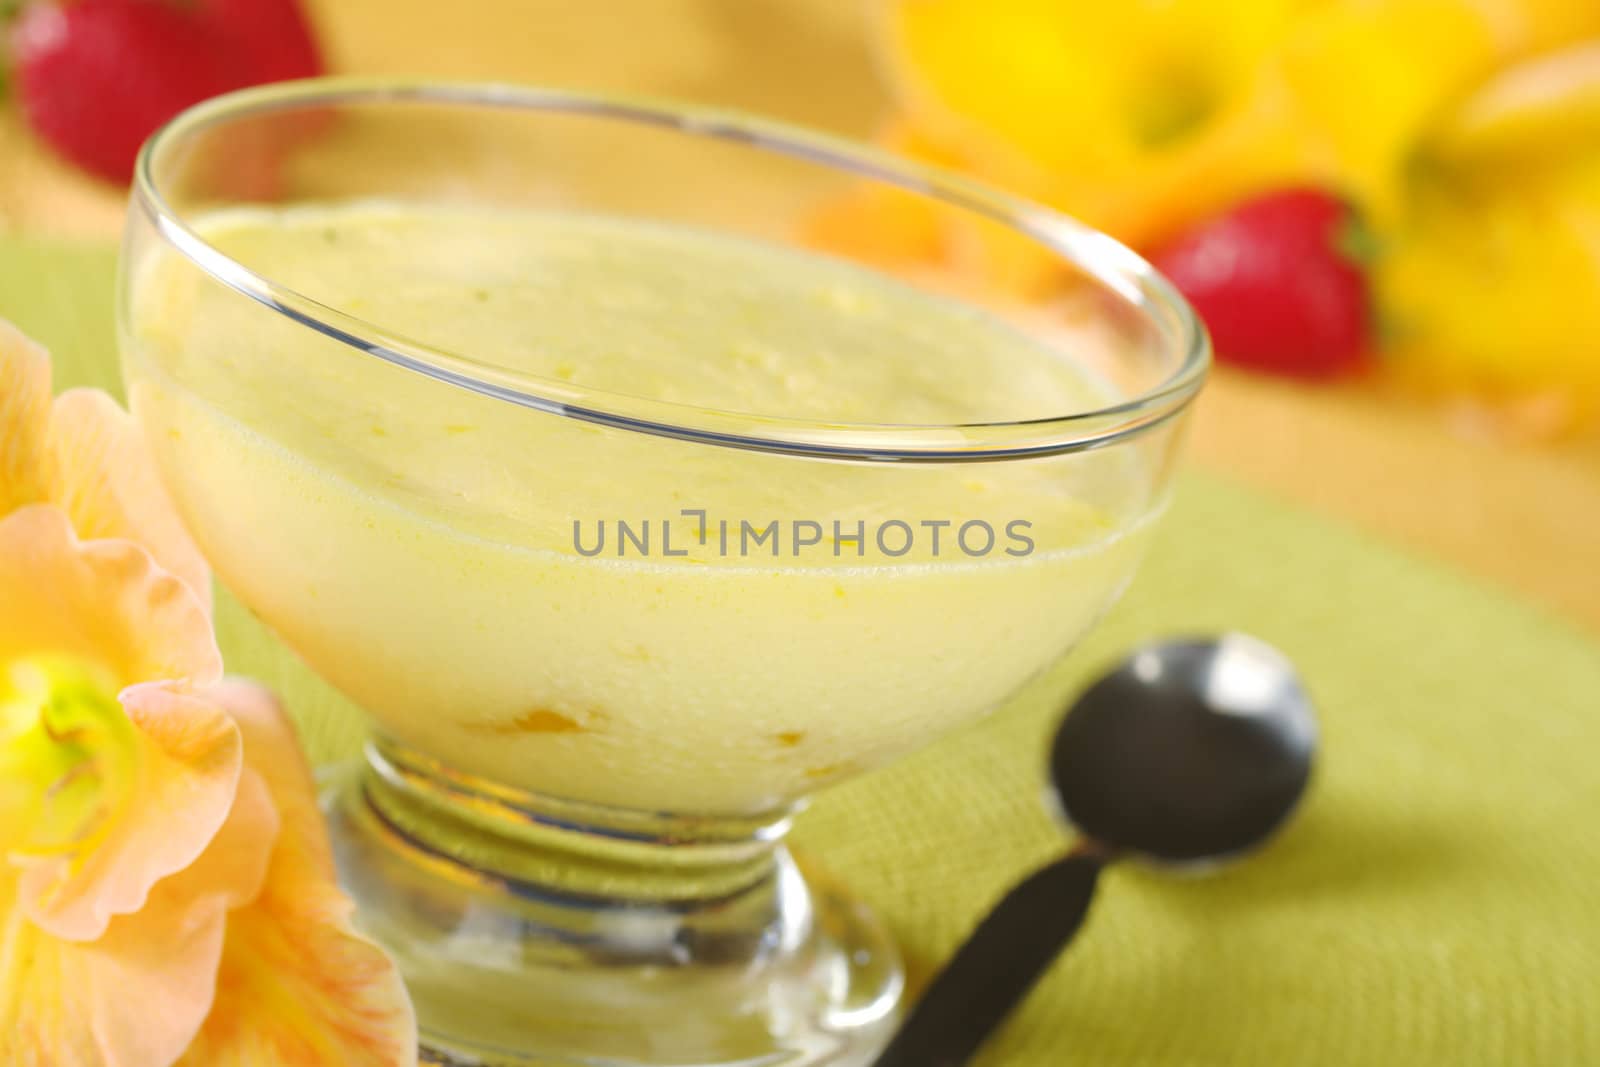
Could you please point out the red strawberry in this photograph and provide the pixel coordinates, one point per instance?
(97, 77)
(275, 40)
(273, 33)
(1275, 285)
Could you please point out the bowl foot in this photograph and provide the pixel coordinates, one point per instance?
(535, 934)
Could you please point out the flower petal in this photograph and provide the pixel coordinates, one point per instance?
(298, 986)
(188, 775)
(69, 1004)
(197, 903)
(100, 472)
(43, 991)
(24, 416)
(102, 602)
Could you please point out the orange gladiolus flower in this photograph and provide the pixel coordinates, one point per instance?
(166, 890)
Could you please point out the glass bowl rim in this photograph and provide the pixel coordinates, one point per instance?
(1105, 261)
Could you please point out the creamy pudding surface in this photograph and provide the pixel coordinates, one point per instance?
(600, 614)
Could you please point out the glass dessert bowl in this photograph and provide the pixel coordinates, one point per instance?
(530, 421)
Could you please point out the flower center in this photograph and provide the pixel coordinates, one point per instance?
(67, 752)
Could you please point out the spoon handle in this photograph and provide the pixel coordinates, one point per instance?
(994, 970)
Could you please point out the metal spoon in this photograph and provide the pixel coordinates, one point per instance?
(1189, 753)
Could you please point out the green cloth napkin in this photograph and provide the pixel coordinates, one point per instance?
(1437, 901)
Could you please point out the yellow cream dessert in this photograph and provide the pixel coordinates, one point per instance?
(592, 612)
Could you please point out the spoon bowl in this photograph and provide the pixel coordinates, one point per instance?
(1190, 753)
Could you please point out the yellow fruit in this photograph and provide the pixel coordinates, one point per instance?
(1368, 76)
(1144, 116)
(1135, 116)
(1492, 282)
(1528, 27)
(1549, 106)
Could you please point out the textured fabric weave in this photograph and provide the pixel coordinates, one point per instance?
(1437, 901)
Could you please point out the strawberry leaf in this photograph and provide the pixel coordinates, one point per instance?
(1358, 242)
